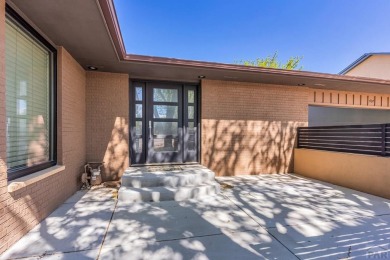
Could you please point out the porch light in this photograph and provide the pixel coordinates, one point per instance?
(92, 68)
(201, 76)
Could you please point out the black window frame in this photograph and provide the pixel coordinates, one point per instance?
(20, 171)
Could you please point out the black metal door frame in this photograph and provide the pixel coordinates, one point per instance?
(141, 152)
(190, 133)
(153, 156)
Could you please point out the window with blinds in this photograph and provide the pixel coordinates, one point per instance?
(28, 100)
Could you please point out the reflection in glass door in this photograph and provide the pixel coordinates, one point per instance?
(164, 123)
(190, 137)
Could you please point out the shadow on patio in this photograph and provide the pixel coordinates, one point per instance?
(267, 216)
(315, 220)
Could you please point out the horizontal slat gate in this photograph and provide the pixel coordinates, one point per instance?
(371, 139)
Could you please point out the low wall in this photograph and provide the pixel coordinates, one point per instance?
(250, 128)
(366, 173)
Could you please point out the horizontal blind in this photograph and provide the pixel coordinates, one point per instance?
(27, 99)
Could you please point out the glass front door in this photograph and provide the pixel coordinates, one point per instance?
(164, 123)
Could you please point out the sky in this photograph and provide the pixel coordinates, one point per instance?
(328, 34)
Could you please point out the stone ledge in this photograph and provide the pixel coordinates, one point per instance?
(25, 181)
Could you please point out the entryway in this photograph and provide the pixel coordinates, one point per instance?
(164, 122)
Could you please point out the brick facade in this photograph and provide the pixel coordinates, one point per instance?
(246, 128)
(250, 128)
(107, 122)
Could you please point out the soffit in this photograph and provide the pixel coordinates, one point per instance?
(80, 27)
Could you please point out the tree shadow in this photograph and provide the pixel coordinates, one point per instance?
(192, 229)
(315, 220)
(197, 229)
(116, 154)
(245, 147)
(76, 225)
(22, 209)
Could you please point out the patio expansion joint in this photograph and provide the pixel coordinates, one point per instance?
(264, 227)
(190, 237)
(220, 233)
(51, 254)
(106, 231)
(380, 215)
(178, 239)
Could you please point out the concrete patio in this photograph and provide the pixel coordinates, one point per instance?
(267, 216)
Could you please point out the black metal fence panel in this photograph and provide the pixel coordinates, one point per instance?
(371, 139)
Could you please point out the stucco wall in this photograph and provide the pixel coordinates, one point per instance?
(364, 173)
(250, 128)
(107, 122)
(337, 98)
(377, 66)
(322, 116)
(25, 207)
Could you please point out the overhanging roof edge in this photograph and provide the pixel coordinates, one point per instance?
(109, 15)
(360, 60)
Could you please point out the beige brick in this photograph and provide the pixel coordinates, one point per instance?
(250, 128)
(107, 122)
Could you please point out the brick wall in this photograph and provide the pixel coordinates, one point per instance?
(71, 121)
(107, 122)
(250, 128)
(23, 209)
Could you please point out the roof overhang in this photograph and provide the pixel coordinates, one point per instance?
(360, 60)
(90, 31)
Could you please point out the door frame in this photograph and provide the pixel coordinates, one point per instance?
(151, 154)
(143, 156)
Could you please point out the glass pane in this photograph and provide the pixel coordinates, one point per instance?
(191, 145)
(191, 127)
(21, 107)
(165, 144)
(27, 69)
(191, 112)
(191, 96)
(138, 127)
(138, 94)
(138, 144)
(165, 95)
(162, 111)
(191, 136)
(165, 128)
(138, 110)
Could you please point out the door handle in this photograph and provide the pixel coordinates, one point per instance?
(150, 124)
